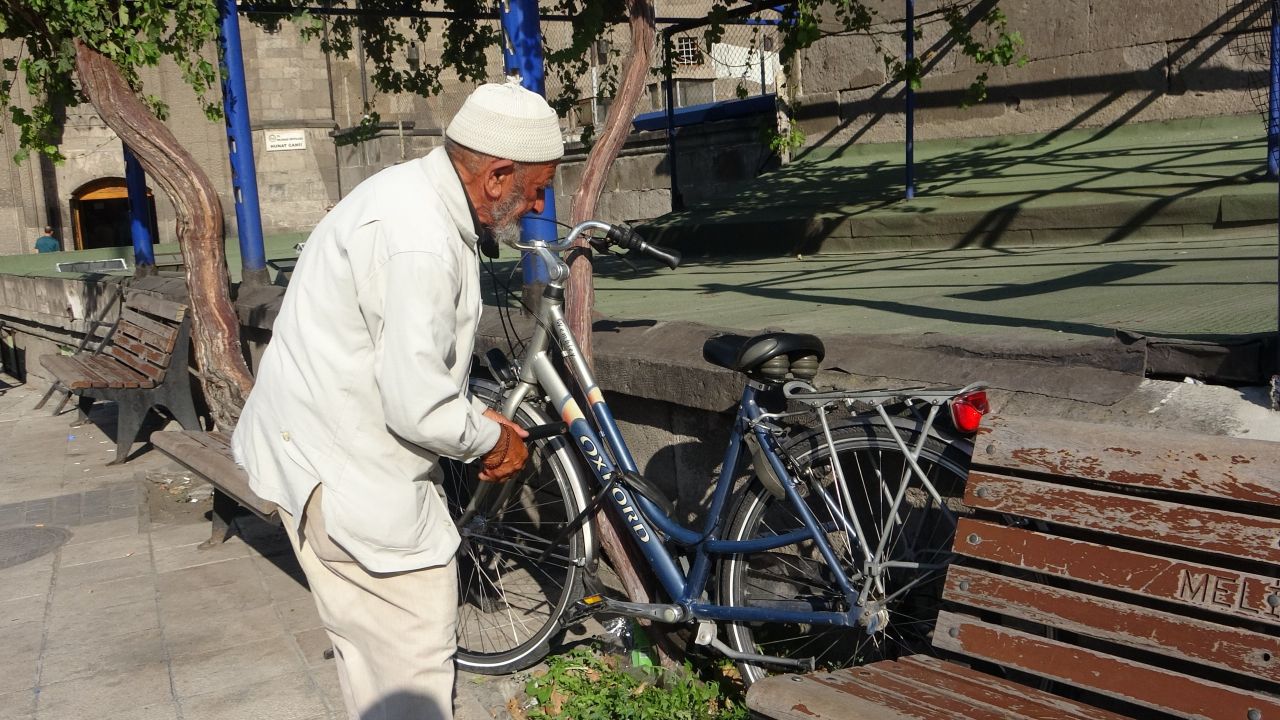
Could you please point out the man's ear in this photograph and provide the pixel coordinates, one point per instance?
(498, 177)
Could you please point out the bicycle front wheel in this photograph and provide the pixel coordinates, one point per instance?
(898, 573)
(511, 598)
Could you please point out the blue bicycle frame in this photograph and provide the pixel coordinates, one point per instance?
(601, 445)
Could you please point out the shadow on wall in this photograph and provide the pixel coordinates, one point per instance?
(808, 200)
(1156, 81)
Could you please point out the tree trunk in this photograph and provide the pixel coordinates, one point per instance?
(215, 326)
(581, 292)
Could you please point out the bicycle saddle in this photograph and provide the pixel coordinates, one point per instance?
(768, 357)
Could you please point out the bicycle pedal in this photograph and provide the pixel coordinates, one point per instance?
(600, 604)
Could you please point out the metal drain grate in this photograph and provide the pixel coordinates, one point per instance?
(20, 544)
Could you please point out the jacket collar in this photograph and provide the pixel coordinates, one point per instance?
(444, 178)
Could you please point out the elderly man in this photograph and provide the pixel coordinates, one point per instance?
(363, 389)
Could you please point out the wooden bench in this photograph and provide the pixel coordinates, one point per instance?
(1101, 572)
(141, 364)
(209, 456)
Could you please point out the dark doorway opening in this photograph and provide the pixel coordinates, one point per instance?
(100, 214)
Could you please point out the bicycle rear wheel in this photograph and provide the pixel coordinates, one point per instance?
(510, 600)
(796, 577)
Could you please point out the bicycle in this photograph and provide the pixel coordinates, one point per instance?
(832, 556)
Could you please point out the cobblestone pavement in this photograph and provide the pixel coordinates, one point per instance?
(108, 610)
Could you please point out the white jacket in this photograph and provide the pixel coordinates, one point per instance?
(362, 387)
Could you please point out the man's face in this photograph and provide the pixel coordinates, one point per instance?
(524, 193)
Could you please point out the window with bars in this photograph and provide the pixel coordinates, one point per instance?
(687, 51)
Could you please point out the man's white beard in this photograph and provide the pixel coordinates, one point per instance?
(508, 234)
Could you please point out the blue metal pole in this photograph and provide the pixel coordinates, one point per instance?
(522, 53)
(911, 103)
(244, 179)
(1273, 100)
(135, 179)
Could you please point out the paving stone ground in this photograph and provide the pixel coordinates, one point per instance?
(128, 619)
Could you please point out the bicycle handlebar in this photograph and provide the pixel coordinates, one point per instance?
(620, 235)
(625, 237)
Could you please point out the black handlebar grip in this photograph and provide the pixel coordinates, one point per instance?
(670, 258)
(551, 429)
(625, 237)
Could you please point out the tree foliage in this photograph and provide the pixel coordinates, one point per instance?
(132, 34)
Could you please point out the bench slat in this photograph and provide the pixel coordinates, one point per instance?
(1176, 524)
(805, 697)
(135, 363)
(68, 371)
(1219, 467)
(219, 469)
(133, 347)
(109, 372)
(162, 343)
(881, 678)
(158, 307)
(1176, 636)
(999, 692)
(169, 332)
(1122, 679)
(1227, 592)
(83, 372)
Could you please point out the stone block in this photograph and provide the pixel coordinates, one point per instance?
(839, 63)
(1122, 23)
(119, 691)
(1201, 66)
(289, 697)
(249, 664)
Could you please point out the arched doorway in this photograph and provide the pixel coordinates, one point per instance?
(100, 214)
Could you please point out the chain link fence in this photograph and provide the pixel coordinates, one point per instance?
(740, 62)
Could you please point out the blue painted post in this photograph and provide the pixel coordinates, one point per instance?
(1273, 165)
(244, 179)
(1273, 100)
(522, 53)
(911, 102)
(135, 179)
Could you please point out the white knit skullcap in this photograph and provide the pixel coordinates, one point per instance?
(507, 121)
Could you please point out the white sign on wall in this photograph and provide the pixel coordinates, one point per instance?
(286, 140)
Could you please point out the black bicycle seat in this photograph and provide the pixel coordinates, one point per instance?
(749, 355)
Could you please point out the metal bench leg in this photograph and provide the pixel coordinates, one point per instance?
(183, 410)
(133, 411)
(83, 404)
(224, 513)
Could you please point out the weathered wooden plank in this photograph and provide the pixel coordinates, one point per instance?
(1029, 701)
(883, 678)
(158, 307)
(219, 469)
(1220, 646)
(1221, 467)
(136, 363)
(69, 372)
(1143, 685)
(1177, 524)
(107, 372)
(163, 343)
(129, 315)
(133, 347)
(1250, 596)
(812, 697)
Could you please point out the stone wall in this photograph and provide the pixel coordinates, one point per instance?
(1092, 63)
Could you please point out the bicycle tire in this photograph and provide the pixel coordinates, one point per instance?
(509, 605)
(793, 576)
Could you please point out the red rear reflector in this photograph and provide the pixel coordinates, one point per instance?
(967, 411)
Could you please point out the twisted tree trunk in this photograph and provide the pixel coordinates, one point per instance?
(215, 327)
(581, 292)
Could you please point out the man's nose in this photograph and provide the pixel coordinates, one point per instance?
(538, 204)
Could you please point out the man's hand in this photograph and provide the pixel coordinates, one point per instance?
(509, 455)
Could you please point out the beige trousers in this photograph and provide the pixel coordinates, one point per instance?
(394, 634)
